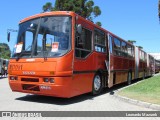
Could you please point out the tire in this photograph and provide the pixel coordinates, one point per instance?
(144, 75)
(129, 79)
(97, 84)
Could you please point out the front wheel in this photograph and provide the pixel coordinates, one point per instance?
(97, 84)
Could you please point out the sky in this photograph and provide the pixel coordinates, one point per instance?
(129, 19)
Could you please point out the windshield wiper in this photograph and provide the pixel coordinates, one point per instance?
(23, 51)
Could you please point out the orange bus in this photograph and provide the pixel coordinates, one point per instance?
(62, 54)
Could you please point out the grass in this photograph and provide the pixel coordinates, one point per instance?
(147, 90)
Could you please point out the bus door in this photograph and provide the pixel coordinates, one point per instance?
(110, 61)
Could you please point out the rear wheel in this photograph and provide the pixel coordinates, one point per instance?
(144, 75)
(129, 78)
(97, 84)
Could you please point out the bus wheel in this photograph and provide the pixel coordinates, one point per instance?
(144, 75)
(129, 80)
(97, 84)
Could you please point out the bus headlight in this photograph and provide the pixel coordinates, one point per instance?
(13, 78)
(52, 80)
(46, 80)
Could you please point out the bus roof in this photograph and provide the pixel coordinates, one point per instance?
(72, 14)
(48, 14)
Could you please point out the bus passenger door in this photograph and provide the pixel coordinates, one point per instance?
(110, 61)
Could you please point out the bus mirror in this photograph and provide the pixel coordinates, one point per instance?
(79, 28)
(8, 36)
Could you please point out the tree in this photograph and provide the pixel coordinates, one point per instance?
(99, 24)
(85, 8)
(132, 41)
(5, 51)
(140, 47)
(47, 7)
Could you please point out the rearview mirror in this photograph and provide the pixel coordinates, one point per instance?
(79, 28)
(8, 36)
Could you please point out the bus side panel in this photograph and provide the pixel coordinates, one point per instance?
(84, 71)
(82, 83)
(110, 82)
(99, 61)
(82, 75)
(120, 69)
(131, 67)
(118, 64)
(142, 68)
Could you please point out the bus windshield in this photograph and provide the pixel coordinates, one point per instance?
(43, 37)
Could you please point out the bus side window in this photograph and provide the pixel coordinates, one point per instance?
(99, 41)
(83, 43)
(110, 44)
(117, 47)
(130, 50)
(124, 49)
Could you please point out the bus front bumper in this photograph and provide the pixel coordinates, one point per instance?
(60, 87)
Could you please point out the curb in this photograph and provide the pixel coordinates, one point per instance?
(136, 102)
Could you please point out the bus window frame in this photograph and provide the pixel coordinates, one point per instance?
(101, 45)
(110, 44)
(77, 35)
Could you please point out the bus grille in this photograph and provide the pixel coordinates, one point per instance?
(30, 87)
(30, 79)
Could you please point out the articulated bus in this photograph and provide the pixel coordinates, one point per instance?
(62, 54)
